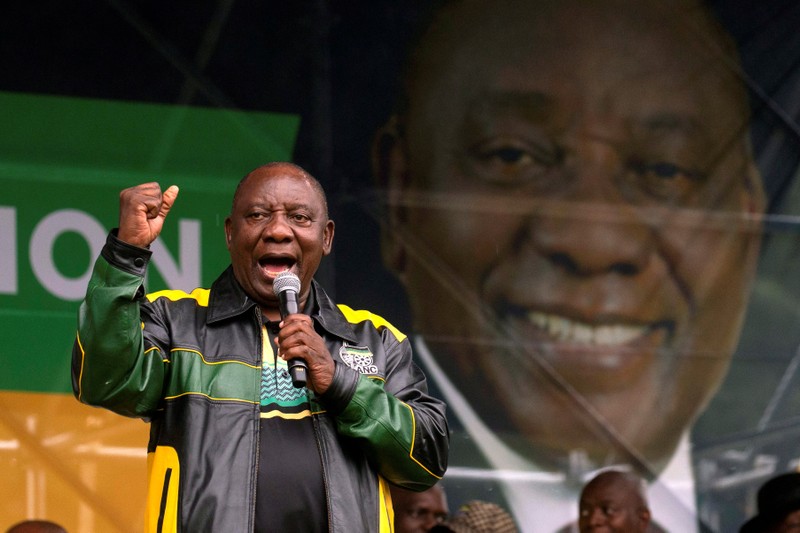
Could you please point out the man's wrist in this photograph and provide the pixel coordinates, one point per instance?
(341, 390)
(125, 256)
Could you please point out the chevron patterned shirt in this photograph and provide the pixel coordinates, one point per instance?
(290, 495)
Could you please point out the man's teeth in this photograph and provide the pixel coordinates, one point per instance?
(566, 330)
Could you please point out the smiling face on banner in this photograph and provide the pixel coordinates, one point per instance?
(570, 210)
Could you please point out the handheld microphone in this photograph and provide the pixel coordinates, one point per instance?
(286, 286)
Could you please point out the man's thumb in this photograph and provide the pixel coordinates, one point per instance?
(168, 198)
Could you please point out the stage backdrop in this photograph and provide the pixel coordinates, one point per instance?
(591, 236)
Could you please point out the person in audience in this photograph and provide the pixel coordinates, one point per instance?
(418, 512)
(778, 506)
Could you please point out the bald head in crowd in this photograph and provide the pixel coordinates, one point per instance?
(417, 512)
(614, 501)
(36, 526)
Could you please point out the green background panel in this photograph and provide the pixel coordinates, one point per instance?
(73, 153)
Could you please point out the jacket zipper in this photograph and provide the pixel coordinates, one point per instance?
(324, 472)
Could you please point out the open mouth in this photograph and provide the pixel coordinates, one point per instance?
(563, 329)
(271, 266)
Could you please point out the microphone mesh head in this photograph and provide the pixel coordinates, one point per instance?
(286, 281)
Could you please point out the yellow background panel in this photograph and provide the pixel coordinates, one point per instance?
(83, 467)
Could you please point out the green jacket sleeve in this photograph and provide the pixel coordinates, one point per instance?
(401, 428)
(110, 365)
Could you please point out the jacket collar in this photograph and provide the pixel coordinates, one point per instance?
(329, 316)
(228, 300)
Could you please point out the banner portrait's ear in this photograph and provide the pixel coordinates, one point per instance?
(390, 172)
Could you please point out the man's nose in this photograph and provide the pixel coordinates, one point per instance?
(589, 227)
(277, 228)
(597, 517)
(592, 239)
(429, 520)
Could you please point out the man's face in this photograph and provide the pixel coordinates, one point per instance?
(417, 512)
(278, 223)
(612, 505)
(573, 181)
(789, 524)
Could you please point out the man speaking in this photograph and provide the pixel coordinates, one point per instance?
(235, 446)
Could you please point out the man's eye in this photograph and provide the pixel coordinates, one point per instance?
(664, 170)
(665, 181)
(418, 513)
(510, 156)
(513, 163)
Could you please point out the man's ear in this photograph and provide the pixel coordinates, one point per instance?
(327, 237)
(390, 170)
(756, 202)
(645, 517)
(228, 232)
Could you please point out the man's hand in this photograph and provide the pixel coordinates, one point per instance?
(142, 210)
(298, 340)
